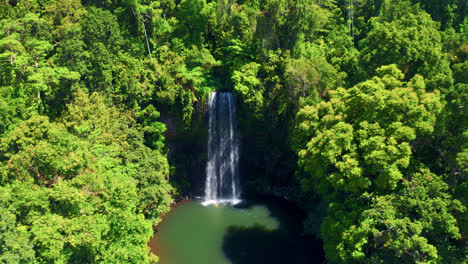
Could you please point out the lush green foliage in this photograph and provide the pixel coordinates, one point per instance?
(85, 187)
(355, 109)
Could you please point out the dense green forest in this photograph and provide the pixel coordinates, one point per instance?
(356, 110)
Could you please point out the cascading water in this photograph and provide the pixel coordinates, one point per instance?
(222, 168)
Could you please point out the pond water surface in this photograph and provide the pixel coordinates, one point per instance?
(247, 233)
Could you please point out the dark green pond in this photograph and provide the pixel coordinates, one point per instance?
(255, 232)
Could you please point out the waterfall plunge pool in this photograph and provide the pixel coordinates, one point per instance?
(216, 203)
(223, 229)
(251, 232)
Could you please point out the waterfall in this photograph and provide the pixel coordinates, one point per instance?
(222, 168)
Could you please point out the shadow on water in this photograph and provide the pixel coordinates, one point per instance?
(258, 244)
(262, 230)
(252, 245)
(288, 215)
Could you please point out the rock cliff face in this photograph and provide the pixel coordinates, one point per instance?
(187, 152)
(171, 127)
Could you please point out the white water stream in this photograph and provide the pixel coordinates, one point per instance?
(222, 168)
